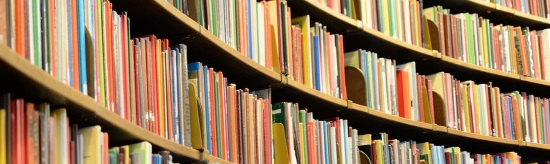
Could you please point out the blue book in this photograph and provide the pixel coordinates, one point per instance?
(249, 3)
(81, 46)
(316, 62)
(175, 111)
(207, 109)
(325, 143)
(70, 57)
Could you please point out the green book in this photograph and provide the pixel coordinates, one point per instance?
(217, 113)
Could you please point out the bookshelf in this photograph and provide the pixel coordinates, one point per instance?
(497, 13)
(155, 16)
(38, 85)
(358, 36)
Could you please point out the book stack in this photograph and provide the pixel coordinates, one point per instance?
(384, 150)
(475, 40)
(400, 19)
(313, 141)
(534, 7)
(33, 133)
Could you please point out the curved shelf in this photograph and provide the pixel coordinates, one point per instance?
(348, 110)
(429, 61)
(497, 13)
(38, 85)
(158, 14)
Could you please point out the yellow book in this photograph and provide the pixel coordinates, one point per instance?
(352, 59)
(279, 144)
(303, 23)
(438, 88)
(466, 105)
(273, 6)
(484, 38)
(477, 111)
(3, 133)
(428, 115)
(91, 144)
(378, 144)
(160, 98)
(386, 17)
(60, 145)
(197, 123)
(126, 149)
(144, 150)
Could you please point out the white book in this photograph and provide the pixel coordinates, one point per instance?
(261, 33)
(546, 52)
(332, 144)
(60, 149)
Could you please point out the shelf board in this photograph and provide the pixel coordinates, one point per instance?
(165, 21)
(496, 13)
(359, 36)
(31, 83)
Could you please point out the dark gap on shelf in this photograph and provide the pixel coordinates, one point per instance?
(164, 25)
(495, 16)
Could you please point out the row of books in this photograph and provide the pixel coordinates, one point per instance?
(265, 32)
(71, 40)
(34, 133)
(384, 150)
(444, 100)
(400, 19)
(473, 39)
(534, 7)
(243, 126)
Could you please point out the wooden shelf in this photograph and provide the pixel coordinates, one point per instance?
(496, 13)
(37, 85)
(157, 15)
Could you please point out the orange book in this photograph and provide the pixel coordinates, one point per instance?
(29, 143)
(52, 39)
(212, 116)
(20, 28)
(233, 121)
(222, 116)
(170, 96)
(403, 94)
(105, 148)
(342, 67)
(74, 45)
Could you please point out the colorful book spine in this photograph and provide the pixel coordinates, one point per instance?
(383, 150)
(501, 47)
(535, 7)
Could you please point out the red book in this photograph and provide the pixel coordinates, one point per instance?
(402, 80)
(125, 81)
(212, 116)
(18, 130)
(342, 73)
